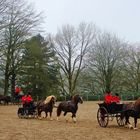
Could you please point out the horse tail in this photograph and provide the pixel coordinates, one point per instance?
(59, 110)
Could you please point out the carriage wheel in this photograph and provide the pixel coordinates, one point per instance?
(35, 114)
(20, 112)
(102, 117)
(120, 120)
(19, 115)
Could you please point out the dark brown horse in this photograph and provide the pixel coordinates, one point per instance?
(69, 106)
(5, 99)
(132, 110)
(46, 106)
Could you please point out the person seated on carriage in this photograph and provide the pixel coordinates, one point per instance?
(28, 103)
(111, 101)
(23, 100)
(108, 98)
(116, 98)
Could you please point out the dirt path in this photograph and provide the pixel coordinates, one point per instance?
(86, 128)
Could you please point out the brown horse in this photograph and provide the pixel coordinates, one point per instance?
(46, 106)
(132, 110)
(69, 106)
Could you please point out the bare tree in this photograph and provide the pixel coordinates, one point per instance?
(3, 7)
(21, 20)
(132, 69)
(105, 61)
(71, 45)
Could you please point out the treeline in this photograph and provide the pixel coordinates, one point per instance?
(80, 59)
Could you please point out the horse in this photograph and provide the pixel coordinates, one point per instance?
(5, 99)
(46, 106)
(132, 110)
(69, 106)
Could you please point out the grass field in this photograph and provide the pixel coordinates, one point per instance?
(86, 128)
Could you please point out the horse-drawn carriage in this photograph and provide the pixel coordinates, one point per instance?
(26, 112)
(47, 105)
(107, 112)
(34, 110)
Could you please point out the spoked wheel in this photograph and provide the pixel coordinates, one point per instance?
(120, 120)
(102, 117)
(20, 112)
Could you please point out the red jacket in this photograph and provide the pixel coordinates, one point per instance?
(116, 99)
(108, 99)
(23, 99)
(17, 90)
(29, 99)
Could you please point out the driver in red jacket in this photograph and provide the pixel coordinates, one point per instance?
(112, 101)
(30, 102)
(23, 99)
(27, 102)
(29, 99)
(108, 98)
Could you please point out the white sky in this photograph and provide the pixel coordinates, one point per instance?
(121, 17)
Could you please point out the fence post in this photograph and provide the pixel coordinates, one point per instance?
(37, 98)
(99, 97)
(122, 97)
(87, 97)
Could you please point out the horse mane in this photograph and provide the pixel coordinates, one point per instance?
(74, 97)
(137, 102)
(48, 99)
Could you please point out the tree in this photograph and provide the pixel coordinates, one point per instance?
(71, 45)
(3, 9)
(39, 72)
(20, 19)
(132, 69)
(86, 84)
(105, 61)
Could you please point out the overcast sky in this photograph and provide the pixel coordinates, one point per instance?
(121, 17)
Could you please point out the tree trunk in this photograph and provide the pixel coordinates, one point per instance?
(13, 79)
(6, 85)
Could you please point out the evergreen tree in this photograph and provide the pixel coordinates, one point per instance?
(39, 73)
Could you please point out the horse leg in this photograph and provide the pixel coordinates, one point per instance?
(65, 113)
(46, 113)
(39, 113)
(74, 117)
(58, 112)
(135, 122)
(127, 122)
(51, 116)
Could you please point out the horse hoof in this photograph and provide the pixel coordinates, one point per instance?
(40, 118)
(51, 119)
(57, 119)
(74, 120)
(130, 126)
(67, 120)
(135, 128)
